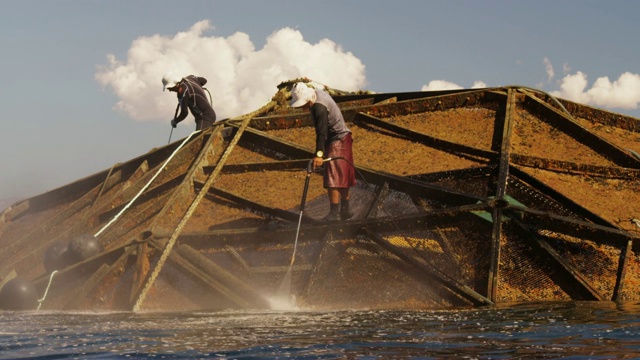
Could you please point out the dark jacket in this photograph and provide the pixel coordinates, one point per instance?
(193, 97)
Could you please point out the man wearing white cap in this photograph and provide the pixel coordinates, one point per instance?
(333, 140)
(191, 97)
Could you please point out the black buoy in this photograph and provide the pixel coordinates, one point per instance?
(83, 248)
(56, 257)
(18, 294)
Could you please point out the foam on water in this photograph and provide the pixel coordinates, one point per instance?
(283, 303)
(283, 299)
(544, 330)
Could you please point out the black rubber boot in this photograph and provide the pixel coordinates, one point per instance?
(334, 213)
(345, 212)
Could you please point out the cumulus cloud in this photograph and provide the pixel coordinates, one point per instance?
(549, 68)
(623, 93)
(435, 85)
(240, 77)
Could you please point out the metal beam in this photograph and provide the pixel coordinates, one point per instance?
(409, 103)
(244, 202)
(430, 270)
(623, 262)
(427, 140)
(568, 167)
(501, 190)
(316, 231)
(570, 226)
(579, 286)
(561, 121)
(558, 197)
(263, 166)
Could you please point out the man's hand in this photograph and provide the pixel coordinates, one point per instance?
(317, 162)
(174, 123)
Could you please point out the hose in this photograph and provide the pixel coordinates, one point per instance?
(46, 290)
(147, 185)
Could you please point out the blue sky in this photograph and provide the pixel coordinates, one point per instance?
(82, 86)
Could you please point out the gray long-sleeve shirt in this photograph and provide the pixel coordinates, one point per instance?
(328, 120)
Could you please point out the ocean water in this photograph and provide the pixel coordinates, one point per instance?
(576, 330)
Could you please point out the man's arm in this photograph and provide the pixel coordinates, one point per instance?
(320, 116)
(184, 108)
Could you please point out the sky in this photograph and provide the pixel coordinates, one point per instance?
(82, 79)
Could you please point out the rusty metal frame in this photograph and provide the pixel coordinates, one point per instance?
(153, 218)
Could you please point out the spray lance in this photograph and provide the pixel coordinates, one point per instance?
(285, 287)
(174, 116)
(304, 198)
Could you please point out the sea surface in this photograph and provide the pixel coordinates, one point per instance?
(575, 330)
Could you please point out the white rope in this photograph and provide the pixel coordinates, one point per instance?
(146, 186)
(47, 290)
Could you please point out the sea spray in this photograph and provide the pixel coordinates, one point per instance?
(283, 299)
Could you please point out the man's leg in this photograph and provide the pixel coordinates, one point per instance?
(334, 205)
(338, 204)
(202, 124)
(345, 212)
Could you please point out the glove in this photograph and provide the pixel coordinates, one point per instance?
(174, 123)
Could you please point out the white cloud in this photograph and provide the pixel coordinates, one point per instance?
(435, 85)
(549, 68)
(572, 87)
(240, 78)
(623, 93)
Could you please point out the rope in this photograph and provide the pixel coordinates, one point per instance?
(46, 290)
(167, 250)
(146, 186)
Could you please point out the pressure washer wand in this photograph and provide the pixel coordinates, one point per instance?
(174, 116)
(171, 133)
(303, 201)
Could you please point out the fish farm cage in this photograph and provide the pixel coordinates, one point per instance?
(464, 197)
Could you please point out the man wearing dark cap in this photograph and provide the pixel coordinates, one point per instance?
(191, 97)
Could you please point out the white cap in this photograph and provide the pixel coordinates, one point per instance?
(301, 94)
(169, 79)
